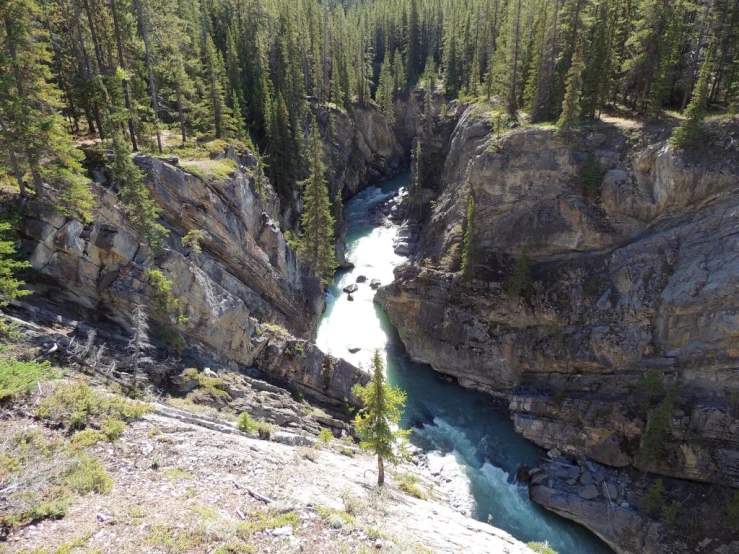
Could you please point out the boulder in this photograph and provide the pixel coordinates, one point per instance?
(589, 492)
(361, 279)
(350, 298)
(375, 284)
(554, 453)
(351, 288)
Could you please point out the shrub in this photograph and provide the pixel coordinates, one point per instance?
(88, 475)
(265, 429)
(192, 240)
(409, 484)
(113, 428)
(651, 384)
(87, 437)
(162, 296)
(18, 377)
(655, 437)
(733, 509)
(653, 501)
(325, 436)
(308, 453)
(520, 281)
(246, 424)
(591, 175)
(74, 405)
(541, 547)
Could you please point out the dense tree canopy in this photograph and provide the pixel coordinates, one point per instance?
(248, 69)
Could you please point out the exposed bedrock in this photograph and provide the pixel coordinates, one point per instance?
(628, 302)
(237, 300)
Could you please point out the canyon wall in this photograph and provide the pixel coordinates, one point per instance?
(623, 307)
(238, 300)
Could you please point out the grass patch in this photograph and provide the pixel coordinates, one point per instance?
(261, 521)
(408, 483)
(541, 547)
(309, 453)
(75, 405)
(178, 473)
(18, 377)
(206, 512)
(172, 540)
(346, 451)
(209, 170)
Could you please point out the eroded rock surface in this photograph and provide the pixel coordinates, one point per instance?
(627, 288)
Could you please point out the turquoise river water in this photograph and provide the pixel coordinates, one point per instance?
(462, 431)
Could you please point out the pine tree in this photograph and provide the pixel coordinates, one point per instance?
(385, 93)
(10, 286)
(468, 251)
(520, 281)
(316, 250)
(31, 130)
(213, 63)
(398, 72)
(377, 420)
(690, 129)
(140, 208)
(571, 103)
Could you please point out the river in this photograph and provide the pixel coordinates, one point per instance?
(462, 431)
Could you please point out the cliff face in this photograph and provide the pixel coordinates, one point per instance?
(627, 303)
(232, 297)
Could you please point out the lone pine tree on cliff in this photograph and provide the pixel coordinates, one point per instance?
(316, 250)
(377, 421)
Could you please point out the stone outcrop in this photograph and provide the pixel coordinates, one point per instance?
(629, 288)
(230, 297)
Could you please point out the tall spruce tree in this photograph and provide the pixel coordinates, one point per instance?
(571, 104)
(316, 250)
(385, 93)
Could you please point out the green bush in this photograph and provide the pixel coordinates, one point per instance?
(592, 176)
(655, 437)
(113, 428)
(653, 501)
(325, 436)
(520, 280)
(246, 424)
(265, 429)
(75, 405)
(162, 296)
(86, 437)
(541, 547)
(192, 240)
(18, 377)
(88, 475)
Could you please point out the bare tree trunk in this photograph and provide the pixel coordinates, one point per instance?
(380, 471)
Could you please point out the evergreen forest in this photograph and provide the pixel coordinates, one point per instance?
(126, 71)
